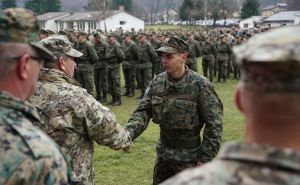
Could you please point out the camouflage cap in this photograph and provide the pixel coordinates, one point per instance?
(60, 43)
(96, 35)
(110, 35)
(82, 33)
(174, 45)
(271, 60)
(19, 25)
(62, 32)
(43, 31)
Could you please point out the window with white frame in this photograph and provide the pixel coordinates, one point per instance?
(92, 25)
(61, 25)
(81, 25)
(42, 24)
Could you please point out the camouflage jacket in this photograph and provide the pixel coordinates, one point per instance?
(27, 155)
(208, 51)
(194, 51)
(245, 164)
(130, 50)
(181, 109)
(101, 48)
(74, 119)
(224, 51)
(147, 55)
(89, 54)
(114, 54)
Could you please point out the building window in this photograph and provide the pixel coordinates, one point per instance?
(70, 25)
(122, 22)
(92, 25)
(61, 25)
(42, 24)
(246, 25)
(81, 25)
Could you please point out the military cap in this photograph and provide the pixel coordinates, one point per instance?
(60, 43)
(19, 25)
(143, 34)
(82, 33)
(96, 35)
(50, 32)
(271, 60)
(126, 34)
(174, 45)
(43, 31)
(62, 32)
(110, 35)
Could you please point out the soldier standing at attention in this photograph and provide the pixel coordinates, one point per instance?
(157, 65)
(72, 117)
(194, 53)
(27, 155)
(100, 69)
(268, 96)
(224, 51)
(209, 51)
(130, 50)
(114, 56)
(147, 56)
(85, 68)
(182, 103)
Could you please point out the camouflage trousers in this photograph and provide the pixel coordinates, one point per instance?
(208, 69)
(145, 78)
(157, 68)
(192, 66)
(101, 81)
(222, 70)
(85, 76)
(129, 76)
(165, 169)
(114, 80)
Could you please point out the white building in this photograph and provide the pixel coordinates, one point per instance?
(250, 22)
(297, 19)
(281, 19)
(47, 20)
(91, 21)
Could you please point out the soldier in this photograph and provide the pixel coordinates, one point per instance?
(72, 117)
(100, 68)
(182, 102)
(157, 65)
(224, 51)
(194, 53)
(236, 70)
(114, 56)
(209, 51)
(43, 34)
(27, 155)
(147, 56)
(268, 96)
(130, 50)
(85, 71)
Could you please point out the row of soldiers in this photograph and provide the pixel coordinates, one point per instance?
(98, 70)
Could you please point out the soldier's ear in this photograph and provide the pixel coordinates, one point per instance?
(184, 56)
(61, 64)
(22, 67)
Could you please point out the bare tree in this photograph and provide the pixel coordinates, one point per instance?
(154, 4)
(169, 4)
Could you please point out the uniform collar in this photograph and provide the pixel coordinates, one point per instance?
(283, 158)
(8, 101)
(55, 75)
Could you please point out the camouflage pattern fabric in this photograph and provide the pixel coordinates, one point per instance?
(74, 119)
(85, 70)
(157, 65)
(27, 155)
(208, 60)
(224, 52)
(130, 50)
(194, 53)
(181, 109)
(245, 164)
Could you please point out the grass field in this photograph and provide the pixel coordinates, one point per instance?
(135, 168)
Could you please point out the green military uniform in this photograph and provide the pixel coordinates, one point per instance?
(130, 50)
(114, 56)
(236, 70)
(100, 69)
(27, 155)
(157, 65)
(194, 53)
(208, 53)
(224, 51)
(181, 108)
(85, 68)
(147, 56)
(269, 63)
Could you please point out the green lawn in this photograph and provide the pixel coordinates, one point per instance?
(135, 168)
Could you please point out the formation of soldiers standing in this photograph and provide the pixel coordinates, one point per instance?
(98, 70)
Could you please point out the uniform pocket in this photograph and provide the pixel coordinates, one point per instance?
(157, 109)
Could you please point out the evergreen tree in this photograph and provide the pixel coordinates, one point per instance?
(184, 10)
(8, 4)
(43, 6)
(250, 8)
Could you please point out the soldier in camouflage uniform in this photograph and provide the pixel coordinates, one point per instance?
(224, 52)
(27, 155)
(147, 56)
(130, 50)
(85, 69)
(236, 70)
(157, 65)
(100, 69)
(194, 53)
(209, 51)
(114, 56)
(268, 95)
(182, 102)
(72, 117)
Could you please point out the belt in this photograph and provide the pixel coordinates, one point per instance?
(188, 143)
